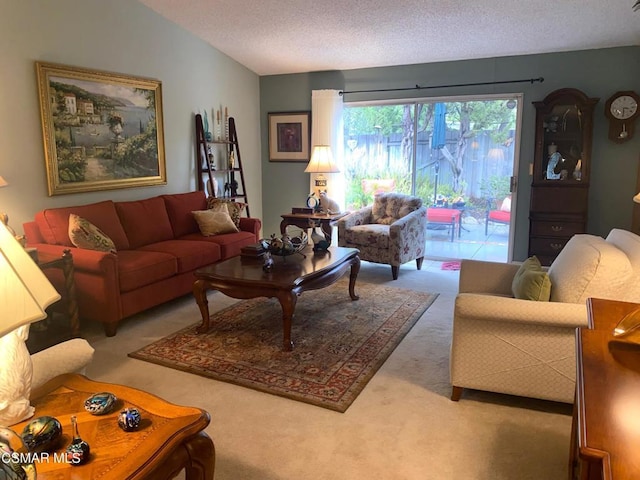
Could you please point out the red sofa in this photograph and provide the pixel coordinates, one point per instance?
(158, 243)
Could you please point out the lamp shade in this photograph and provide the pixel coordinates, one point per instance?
(636, 198)
(25, 292)
(321, 160)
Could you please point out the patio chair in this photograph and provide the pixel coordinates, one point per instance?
(501, 215)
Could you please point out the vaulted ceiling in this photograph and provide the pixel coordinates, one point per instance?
(291, 36)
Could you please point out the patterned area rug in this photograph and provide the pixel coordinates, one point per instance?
(339, 343)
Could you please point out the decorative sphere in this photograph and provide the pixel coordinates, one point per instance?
(42, 434)
(129, 419)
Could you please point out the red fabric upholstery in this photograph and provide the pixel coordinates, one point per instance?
(189, 254)
(179, 208)
(54, 223)
(499, 216)
(230, 243)
(137, 268)
(145, 221)
(443, 215)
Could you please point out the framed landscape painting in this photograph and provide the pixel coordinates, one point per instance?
(289, 134)
(101, 130)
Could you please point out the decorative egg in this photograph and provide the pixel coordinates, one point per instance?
(100, 403)
(42, 434)
(14, 468)
(129, 419)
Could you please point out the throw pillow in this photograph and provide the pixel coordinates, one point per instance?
(213, 222)
(235, 209)
(84, 234)
(531, 282)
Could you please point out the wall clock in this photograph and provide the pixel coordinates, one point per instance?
(622, 111)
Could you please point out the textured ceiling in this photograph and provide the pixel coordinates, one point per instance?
(291, 36)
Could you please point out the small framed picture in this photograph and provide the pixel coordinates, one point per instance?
(289, 134)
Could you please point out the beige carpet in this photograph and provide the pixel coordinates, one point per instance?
(339, 343)
(402, 426)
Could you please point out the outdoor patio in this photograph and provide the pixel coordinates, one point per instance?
(472, 243)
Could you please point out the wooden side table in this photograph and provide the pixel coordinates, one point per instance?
(47, 333)
(170, 437)
(604, 433)
(303, 220)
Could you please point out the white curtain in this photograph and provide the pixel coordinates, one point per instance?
(327, 129)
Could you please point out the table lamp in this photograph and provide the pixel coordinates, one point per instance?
(25, 293)
(321, 162)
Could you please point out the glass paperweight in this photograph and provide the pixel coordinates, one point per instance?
(129, 419)
(15, 464)
(78, 451)
(100, 403)
(42, 434)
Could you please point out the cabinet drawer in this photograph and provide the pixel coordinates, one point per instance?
(550, 228)
(546, 246)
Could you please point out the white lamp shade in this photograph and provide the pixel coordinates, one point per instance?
(321, 160)
(25, 292)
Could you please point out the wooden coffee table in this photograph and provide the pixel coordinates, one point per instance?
(170, 437)
(241, 277)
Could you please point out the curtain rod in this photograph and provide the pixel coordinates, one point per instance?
(418, 87)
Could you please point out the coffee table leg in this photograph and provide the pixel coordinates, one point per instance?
(355, 269)
(202, 455)
(200, 294)
(288, 302)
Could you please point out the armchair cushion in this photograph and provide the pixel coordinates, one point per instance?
(389, 207)
(531, 282)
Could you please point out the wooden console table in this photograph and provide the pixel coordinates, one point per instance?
(605, 432)
(170, 437)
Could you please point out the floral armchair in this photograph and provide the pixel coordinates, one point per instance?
(391, 231)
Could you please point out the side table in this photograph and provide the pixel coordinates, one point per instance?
(302, 220)
(170, 437)
(46, 333)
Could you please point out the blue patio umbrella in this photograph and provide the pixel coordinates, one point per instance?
(438, 139)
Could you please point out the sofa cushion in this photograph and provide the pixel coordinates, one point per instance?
(230, 243)
(84, 234)
(137, 268)
(389, 207)
(589, 266)
(214, 222)
(189, 254)
(531, 282)
(179, 207)
(54, 223)
(145, 221)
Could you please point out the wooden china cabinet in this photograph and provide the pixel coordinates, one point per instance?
(561, 168)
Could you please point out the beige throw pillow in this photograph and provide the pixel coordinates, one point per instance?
(212, 222)
(84, 234)
(531, 282)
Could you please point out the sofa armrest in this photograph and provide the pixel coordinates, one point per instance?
(85, 260)
(71, 356)
(250, 224)
(495, 278)
(478, 307)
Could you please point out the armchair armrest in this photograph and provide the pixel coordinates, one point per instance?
(478, 307)
(71, 356)
(408, 235)
(495, 278)
(359, 217)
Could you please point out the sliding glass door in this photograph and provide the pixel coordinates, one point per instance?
(455, 153)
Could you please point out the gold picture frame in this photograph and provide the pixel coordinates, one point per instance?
(289, 134)
(101, 130)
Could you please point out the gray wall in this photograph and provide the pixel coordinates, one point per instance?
(120, 36)
(598, 73)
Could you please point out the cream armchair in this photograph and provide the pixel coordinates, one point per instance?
(527, 348)
(72, 356)
(391, 231)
